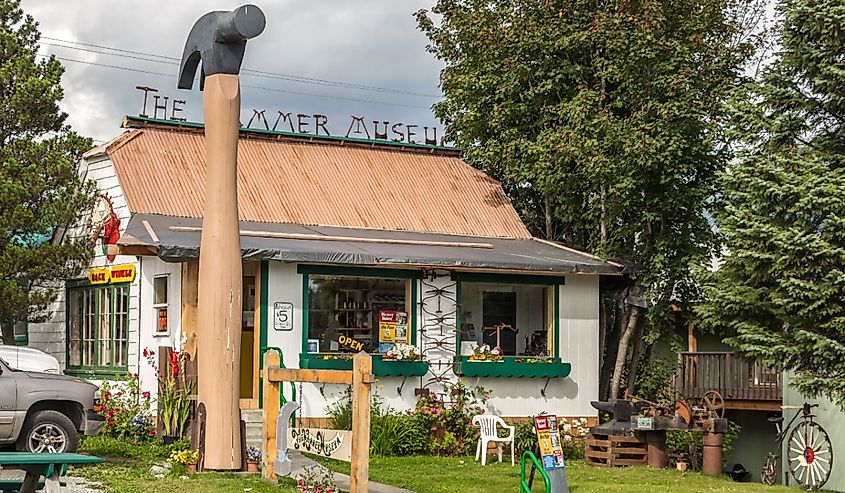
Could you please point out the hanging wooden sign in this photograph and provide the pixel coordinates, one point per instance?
(335, 444)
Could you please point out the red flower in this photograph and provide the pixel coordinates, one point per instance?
(174, 363)
(145, 394)
(145, 352)
(106, 395)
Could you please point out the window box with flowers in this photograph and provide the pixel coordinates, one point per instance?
(403, 360)
(383, 365)
(512, 367)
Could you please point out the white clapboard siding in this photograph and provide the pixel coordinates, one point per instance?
(50, 335)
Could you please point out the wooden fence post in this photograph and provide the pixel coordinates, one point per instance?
(270, 416)
(362, 378)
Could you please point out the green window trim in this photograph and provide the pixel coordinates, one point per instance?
(97, 371)
(22, 340)
(381, 367)
(306, 270)
(556, 283)
(510, 368)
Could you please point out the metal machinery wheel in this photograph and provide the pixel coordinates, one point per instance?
(714, 402)
(768, 475)
(810, 455)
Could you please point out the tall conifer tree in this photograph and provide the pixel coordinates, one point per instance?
(40, 191)
(781, 288)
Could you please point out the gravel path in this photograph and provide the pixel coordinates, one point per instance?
(74, 484)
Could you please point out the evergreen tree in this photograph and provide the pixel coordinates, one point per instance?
(40, 191)
(602, 121)
(781, 288)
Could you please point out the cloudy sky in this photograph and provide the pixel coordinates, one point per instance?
(316, 56)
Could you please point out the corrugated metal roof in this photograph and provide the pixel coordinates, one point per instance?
(317, 182)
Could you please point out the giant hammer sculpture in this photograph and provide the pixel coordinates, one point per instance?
(218, 40)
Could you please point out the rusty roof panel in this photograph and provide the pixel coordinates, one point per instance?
(318, 183)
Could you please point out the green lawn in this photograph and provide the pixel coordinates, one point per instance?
(126, 471)
(452, 475)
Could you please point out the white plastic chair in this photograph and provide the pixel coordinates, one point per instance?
(487, 424)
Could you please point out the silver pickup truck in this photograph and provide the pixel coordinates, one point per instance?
(43, 412)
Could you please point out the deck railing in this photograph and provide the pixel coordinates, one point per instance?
(733, 377)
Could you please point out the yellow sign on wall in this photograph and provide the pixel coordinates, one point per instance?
(99, 276)
(114, 274)
(123, 273)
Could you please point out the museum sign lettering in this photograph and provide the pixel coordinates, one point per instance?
(300, 123)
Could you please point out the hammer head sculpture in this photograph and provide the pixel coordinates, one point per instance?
(219, 40)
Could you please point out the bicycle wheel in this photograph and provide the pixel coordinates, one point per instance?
(810, 455)
(768, 475)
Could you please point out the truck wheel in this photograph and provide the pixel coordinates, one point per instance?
(48, 431)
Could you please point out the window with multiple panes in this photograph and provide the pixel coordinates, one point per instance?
(160, 304)
(98, 327)
(345, 313)
(517, 318)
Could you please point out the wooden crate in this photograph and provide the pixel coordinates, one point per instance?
(611, 451)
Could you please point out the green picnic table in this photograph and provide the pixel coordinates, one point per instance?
(36, 465)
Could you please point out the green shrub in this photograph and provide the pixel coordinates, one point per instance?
(396, 434)
(340, 412)
(106, 446)
(391, 433)
(681, 444)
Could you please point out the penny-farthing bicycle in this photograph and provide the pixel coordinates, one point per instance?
(809, 453)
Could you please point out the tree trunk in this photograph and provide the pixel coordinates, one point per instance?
(612, 344)
(622, 352)
(7, 333)
(548, 210)
(635, 355)
(603, 219)
(602, 330)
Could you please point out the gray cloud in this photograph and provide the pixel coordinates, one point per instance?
(373, 43)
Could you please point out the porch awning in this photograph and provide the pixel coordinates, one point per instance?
(176, 239)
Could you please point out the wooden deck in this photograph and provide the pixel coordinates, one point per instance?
(744, 385)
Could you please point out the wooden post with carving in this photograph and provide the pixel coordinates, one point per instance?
(361, 378)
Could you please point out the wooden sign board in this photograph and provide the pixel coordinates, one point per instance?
(334, 444)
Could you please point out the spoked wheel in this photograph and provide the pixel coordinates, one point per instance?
(810, 455)
(714, 402)
(768, 475)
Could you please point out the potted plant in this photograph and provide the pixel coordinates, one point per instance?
(187, 458)
(485, 353)
(402, 352)
(253, 459)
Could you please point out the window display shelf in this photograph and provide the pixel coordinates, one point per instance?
(508, 367)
